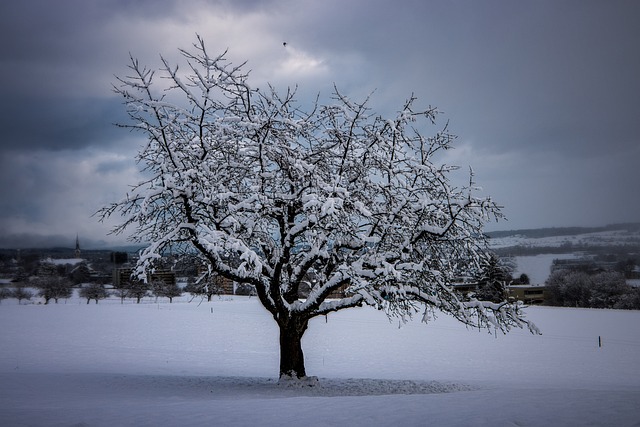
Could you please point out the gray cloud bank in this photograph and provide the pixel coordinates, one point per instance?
(543, 95)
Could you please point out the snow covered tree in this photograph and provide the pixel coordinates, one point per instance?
(4, 294)
(121, 290)
(138, 289)
(54, 287)
(569, 288)
(205, 286)
(21, 292)
(160, 288)
(607, 288)
(94, 291)
(630, 300)
(575, 288)
(267, 191)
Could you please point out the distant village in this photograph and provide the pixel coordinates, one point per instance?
(45, 275)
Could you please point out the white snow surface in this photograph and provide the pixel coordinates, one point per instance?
(595, 239)
(199, 363)
(64, 261)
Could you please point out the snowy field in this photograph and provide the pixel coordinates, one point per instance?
(215, 364)
(595, 239)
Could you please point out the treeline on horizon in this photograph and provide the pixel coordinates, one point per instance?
(537, 233)
(603, 250)
(534, 233)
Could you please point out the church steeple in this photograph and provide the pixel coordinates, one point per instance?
(77, 246)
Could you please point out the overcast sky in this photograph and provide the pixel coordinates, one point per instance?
(543, 95)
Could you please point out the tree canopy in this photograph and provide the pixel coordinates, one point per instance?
(269, 192)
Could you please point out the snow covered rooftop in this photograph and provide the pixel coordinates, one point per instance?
(63, 261)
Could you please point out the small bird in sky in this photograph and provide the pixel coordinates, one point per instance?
(284, 44)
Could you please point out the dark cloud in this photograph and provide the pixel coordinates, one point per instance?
(10, 240)
(113, 166)
(59, 123)
(543, 95)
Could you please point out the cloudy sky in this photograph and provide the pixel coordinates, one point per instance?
(543, 95)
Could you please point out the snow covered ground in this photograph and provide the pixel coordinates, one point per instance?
(191, 364)
(595, 239)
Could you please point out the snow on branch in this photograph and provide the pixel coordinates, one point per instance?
(279, 195)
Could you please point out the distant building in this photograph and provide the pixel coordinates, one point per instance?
(77, 251)
(226, 286)
(529, 294)
(123, 275)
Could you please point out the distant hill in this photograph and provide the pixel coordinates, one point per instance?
(504, 238)
(537, 233)
(615, 238)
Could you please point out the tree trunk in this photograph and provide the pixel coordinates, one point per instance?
(291, 355)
